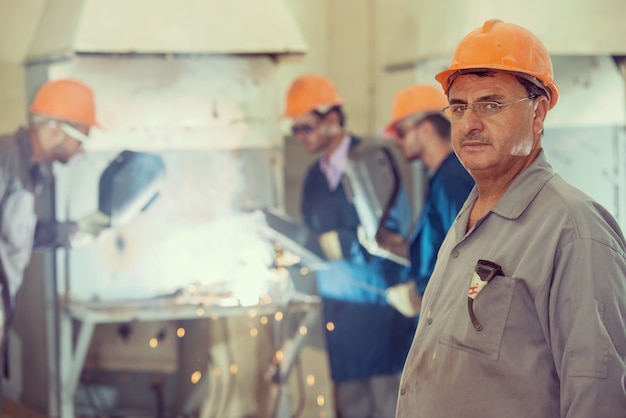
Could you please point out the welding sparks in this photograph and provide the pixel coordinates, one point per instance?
(195, 377)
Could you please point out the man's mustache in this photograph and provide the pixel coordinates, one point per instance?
(474, 138)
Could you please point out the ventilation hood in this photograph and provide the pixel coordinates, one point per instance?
(71, 27)
(568, 28)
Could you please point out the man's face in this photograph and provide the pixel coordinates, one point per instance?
(408, 138)
(65, 140)
(312, 132)
(499, 143)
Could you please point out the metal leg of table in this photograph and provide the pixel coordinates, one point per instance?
(284, 401)
(71, 361)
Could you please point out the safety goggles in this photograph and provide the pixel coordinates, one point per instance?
(74, 132)
(404, 127)
(303, 129)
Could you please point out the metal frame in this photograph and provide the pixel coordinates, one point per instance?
(72, 354)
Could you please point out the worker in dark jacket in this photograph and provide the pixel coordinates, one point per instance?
(60, 118)
(366, 353)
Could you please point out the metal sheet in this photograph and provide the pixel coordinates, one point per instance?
(373, 181)
(190, 27)
(154, 104)
(591, 92)
(592, 159)
(294, 237)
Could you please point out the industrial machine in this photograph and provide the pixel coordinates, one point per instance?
(181, 306)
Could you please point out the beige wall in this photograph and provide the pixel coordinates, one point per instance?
(350, 41)
(12, 97)
(18, 19)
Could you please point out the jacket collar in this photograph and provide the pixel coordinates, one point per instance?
(522, 190)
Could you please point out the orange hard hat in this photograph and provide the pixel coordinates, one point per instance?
(504, 47)
(66, 99)
(419, 98)
(309, 92)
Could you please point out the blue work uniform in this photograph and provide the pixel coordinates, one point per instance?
(448, 188)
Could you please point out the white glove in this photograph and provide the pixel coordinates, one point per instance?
(94, 223)
(89, 228)
(405, 298)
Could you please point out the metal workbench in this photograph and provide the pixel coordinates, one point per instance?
(75, 341)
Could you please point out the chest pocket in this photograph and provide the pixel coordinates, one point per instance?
(18, 225)
(491, 307)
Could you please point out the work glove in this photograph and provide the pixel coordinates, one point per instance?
(94, 223)
(89, 228)
(405, 298)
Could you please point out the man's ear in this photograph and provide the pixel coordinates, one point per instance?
(332, 117)
(427, 128)
(541, 108)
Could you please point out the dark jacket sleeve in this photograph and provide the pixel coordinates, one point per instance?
(50, 235)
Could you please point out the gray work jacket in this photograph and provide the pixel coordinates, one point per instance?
(20, 182)
(553, 337)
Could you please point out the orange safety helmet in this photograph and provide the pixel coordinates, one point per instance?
(66, 99)
(504, 47)
(419, 98)
(309, 92)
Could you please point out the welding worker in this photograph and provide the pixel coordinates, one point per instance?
(422, 132)
(366, 350)
(60, 117)
(525, 313)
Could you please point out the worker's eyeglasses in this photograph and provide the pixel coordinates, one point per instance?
(480, 109)
(304, 129)
(74, 132)
(402, 131)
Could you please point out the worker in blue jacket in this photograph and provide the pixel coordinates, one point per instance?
(421, 131)
(366, 350)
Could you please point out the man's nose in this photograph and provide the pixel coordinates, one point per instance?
(469, 121)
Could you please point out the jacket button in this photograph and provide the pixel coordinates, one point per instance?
(429, 321)
(455, 254)
(402, 390)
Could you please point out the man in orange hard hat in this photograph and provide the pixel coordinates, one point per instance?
(365, 346)
(525, 313)
(422, 132)
(60, 118)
